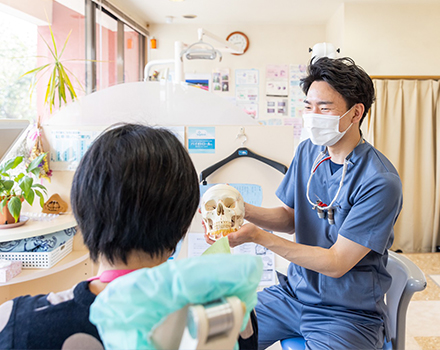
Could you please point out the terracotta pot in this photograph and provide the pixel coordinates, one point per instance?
(6, 217)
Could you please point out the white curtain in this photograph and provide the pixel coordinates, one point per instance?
(404, 125)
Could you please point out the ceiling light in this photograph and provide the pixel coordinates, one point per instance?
(189, 16)
(169, 19)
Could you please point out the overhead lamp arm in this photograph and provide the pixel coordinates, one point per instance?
(226, 46)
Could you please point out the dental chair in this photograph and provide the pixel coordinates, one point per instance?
(407, 280)
(213, 325)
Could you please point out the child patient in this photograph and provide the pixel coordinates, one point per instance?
(134, 195)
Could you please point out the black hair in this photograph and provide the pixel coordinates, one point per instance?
(135, 189)
(343, 75)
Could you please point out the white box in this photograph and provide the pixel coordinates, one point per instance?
(10, 271)
(42, 260)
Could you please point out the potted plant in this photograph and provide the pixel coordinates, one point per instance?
(16, 187)
(59, 82)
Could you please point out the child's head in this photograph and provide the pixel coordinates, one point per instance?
(135, 190)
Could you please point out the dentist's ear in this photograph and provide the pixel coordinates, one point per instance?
(359, 109)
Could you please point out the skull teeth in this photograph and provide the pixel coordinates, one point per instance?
(222, 225)
(221, 233)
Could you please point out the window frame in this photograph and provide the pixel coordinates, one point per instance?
(91, 6)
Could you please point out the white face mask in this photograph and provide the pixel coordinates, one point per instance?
(324, 129)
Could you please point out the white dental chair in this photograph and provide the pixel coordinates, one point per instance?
(407, 280)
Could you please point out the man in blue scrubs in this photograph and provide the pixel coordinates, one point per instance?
(341, 199)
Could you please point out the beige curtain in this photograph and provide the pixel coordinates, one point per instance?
(405, 126)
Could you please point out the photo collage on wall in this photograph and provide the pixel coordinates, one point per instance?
(283, 102)
(220, 80)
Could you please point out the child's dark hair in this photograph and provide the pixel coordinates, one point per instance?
(135, 189)
(348, 79)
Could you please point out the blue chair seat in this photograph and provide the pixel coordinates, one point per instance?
(298, 343)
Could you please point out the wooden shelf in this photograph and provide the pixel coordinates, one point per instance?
(72, 259)
(34, 227)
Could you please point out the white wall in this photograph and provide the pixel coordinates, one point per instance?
(269, 44)
(35, 11)
(335, 29)
(393, 39)
(385, 39)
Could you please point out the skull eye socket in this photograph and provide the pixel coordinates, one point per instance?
(210, 205)
(229, 203)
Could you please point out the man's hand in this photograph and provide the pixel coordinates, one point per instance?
(207, 239)
(247, 233)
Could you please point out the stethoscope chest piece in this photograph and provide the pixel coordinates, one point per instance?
(319, 206)
(322, 208)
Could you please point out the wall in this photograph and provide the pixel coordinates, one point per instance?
(393, 39)
(385, 39)
(335, 29)
(36, 11)
(269, 44)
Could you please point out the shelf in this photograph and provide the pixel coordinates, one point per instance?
(72, 259)
(36, 228)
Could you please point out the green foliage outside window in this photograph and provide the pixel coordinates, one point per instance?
(17, 54)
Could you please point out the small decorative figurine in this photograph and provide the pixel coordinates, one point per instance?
(55, 205)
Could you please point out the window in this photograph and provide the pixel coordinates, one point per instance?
(118, 45)
(65, 20)
(18, 51)
(131, 55)
(106, 54)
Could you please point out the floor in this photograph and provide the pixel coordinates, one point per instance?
(423, 316)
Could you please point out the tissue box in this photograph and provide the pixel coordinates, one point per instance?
(9, 269)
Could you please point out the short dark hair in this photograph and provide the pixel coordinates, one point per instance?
(135, 189)
(347, 78)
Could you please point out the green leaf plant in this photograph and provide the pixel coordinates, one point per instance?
(59, 82)
(16, 187)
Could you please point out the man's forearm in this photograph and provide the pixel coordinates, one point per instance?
(333, 262)
(277, 219)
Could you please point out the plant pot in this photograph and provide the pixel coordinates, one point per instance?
(5, 216)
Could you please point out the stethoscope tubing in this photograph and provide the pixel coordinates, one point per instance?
(318, 161)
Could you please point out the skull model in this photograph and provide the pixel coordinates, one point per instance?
(222, 210)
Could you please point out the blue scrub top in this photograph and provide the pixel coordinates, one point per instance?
(367, 207)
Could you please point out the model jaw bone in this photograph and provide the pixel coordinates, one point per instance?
(222, 210)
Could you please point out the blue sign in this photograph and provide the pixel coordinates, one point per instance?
(201, 139)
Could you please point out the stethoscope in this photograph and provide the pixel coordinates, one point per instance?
(319, 206)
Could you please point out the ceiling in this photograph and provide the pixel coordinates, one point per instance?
(245, 11)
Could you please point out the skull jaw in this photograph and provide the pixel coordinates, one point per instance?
(217, 234)
(221, 229)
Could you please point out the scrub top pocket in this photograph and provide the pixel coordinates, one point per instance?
(340, 215)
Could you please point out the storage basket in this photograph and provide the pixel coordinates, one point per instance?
(40, 260)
